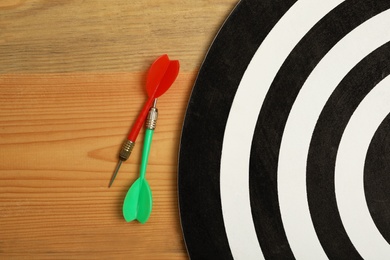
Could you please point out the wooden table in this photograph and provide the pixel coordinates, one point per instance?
(72, 77)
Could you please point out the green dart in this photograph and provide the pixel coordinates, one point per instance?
(138, 201)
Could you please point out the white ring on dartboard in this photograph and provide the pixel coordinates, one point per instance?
(248, 100)
(301, 123)
(349, 173)
(234, 174)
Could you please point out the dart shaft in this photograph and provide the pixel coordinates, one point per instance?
(145, 152)
(140, 120)
(150, 125)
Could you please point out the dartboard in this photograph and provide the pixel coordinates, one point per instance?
(285, 148)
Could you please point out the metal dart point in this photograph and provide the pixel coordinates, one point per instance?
(124, 154)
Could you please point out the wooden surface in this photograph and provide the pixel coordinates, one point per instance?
(72, 77)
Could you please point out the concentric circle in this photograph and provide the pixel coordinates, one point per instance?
(287, 93)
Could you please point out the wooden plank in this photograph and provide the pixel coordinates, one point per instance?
(60, 136)
(119, 35)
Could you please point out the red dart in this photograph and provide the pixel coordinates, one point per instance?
(161, 75)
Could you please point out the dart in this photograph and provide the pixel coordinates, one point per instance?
(138, 201)
(161, 75)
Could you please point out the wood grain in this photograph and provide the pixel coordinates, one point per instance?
(58, 151)
(72, 77)
(72, 36)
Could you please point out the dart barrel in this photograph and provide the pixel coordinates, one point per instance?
(151, 120)
(125, 152)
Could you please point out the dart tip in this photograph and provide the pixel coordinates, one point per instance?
(115, 173)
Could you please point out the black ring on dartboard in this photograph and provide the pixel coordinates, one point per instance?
(207, 113)
(204, 125)
(377, 177)
(323, 150)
